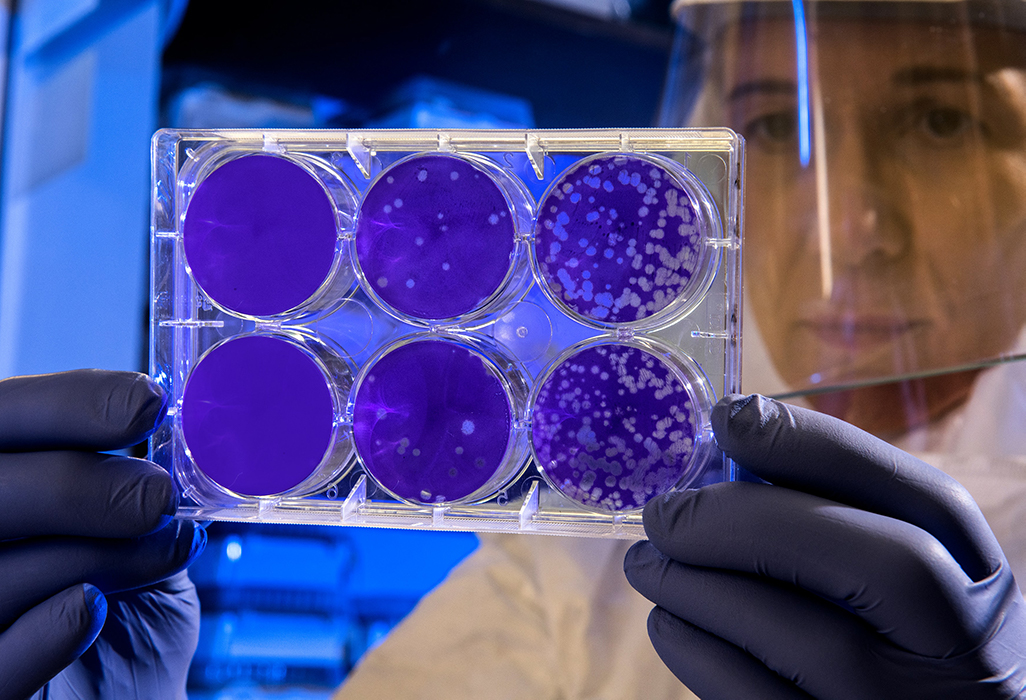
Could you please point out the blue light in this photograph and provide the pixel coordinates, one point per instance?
(233, 549)
(802, 47)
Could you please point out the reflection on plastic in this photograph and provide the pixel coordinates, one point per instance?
(526, 330)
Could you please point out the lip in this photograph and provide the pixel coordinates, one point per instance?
(859, 331)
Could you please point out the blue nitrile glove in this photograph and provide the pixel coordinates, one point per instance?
(861, 573)
(84, 537)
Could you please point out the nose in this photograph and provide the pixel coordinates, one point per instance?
(863, 192)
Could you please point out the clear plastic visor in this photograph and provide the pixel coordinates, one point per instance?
(885, 204)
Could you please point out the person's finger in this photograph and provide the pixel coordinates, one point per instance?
(32, 570)
(895, 576)
(712, 668)
(82, 493)
(87, 409)
(812, 452)
(145, 647)
(795, 634)
(47, 638)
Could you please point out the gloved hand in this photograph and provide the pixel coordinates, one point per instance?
(77, 526)
(862, 572)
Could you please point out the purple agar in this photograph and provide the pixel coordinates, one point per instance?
(618, 239)
(435, 237)
(257, 415)
(432, 422)
(260, 235)
(613, 426)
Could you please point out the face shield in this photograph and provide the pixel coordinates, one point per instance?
(885, 208)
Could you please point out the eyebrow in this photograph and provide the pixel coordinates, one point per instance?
(769, 86)
(922, 75)
(910, 77)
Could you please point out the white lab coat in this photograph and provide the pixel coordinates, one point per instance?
(553, 618)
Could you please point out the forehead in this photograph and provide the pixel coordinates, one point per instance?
(856, 49)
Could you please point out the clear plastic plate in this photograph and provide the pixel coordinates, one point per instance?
(489, 330)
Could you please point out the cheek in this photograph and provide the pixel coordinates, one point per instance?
(777, 211)
(1009, 196)
(971, 246)
(781, 270)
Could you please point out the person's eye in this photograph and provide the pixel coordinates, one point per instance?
(773, 130)
(945, 123)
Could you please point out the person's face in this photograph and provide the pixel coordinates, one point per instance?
(899, 247)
